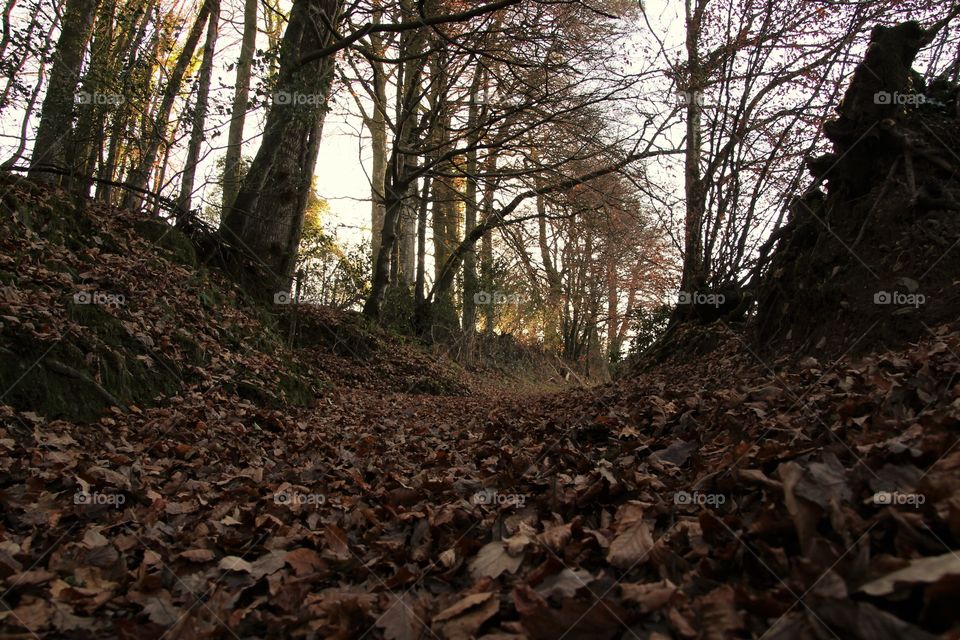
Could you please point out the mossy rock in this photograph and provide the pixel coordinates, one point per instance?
(59, 384)
(62, 267)
(257, 394)
(31, 386)
(296, 391)
(125, 364)
(56, 219)
(163, 235)
(81, 376)
(350, 340)
(194, 352)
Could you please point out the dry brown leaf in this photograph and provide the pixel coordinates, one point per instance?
(198, 555)
(337, 545)
(464, 619)
(566, 583)
(402, 619)
(492, 560)
(160, 610)
(235, 563)
(633, 542)
(304, 561)
(650, 596)
(919, 571)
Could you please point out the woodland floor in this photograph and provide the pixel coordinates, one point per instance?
(720, 495)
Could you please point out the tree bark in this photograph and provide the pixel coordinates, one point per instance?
(31, 101)
(377, 125)
(128, 51)
(470, 282)
(15, 68)
(238, 113)
(200, 110)
(88, 135)
(56, 114)
(421, 279)
(486, 247)
(400, 165)
(5, 37)
(138, 176)
(693, 274)
(266, 219)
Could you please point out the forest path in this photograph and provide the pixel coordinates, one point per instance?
(614, 512)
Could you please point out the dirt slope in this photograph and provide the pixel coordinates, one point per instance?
(101, 307)
(696, 501)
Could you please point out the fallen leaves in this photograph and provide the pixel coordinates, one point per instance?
(402, 619)
(360, 515)
(634, 541)
(926, 570)
(462, 620)
(578, 619)
(493, 559)
(650, 596)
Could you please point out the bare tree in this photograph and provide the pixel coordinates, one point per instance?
(266, 218)
(241, 96)
(56, 114)
(156, 133)
(199, 118)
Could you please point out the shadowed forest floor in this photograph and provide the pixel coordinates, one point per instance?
(357, 487)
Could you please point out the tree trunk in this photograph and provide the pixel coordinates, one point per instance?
(408, 236)
(378, 177)
(400, 165)
(139, 175)
(613, 310)
(486, 247)
(56, 114)
(200, 110)
(420, 286)
(5, 38)
(444, 197)
(693, 276)
(129, 48)
(13, 69)
(470, 282)
(266, 219)
(238, 114)
(31, 103)
(88, 136)
(377, 125)
(551, 329)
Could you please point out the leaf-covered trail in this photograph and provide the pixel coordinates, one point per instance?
(724, 496)
(180, 512)
(674, 504)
